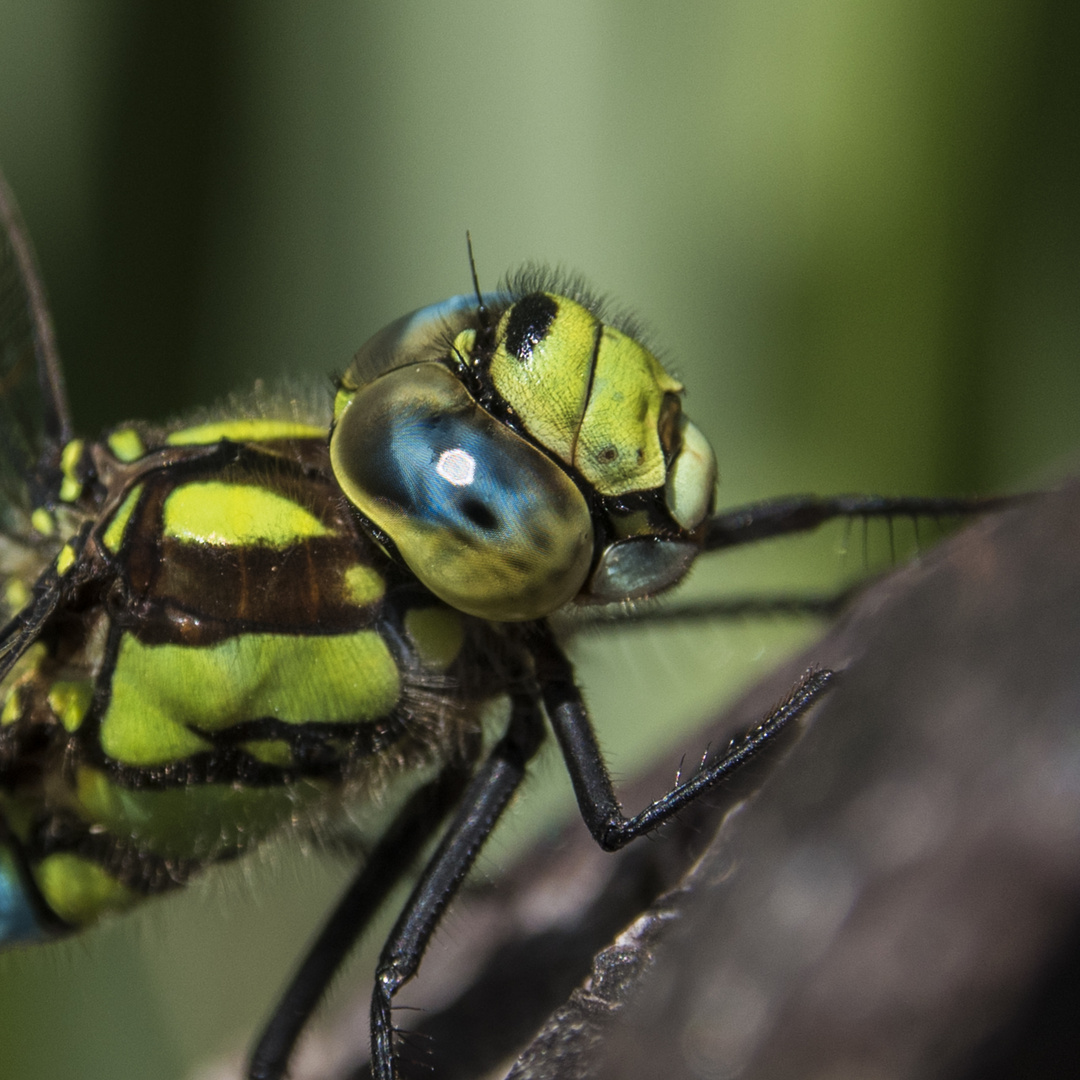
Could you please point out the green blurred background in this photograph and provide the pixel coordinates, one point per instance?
(852, 228)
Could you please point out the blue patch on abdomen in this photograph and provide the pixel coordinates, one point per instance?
(18, 919)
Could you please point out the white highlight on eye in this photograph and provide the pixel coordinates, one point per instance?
(457, 466)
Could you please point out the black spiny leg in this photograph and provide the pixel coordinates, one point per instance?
(396, 851)
(589, 775)
(801, 513)
(481, 805)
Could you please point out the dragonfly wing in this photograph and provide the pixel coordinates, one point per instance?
(34, 417)
(22, 631)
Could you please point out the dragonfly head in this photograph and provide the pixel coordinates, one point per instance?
(520, 454)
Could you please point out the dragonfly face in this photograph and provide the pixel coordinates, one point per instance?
(538, 457)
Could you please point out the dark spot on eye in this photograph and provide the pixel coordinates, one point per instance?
(479, 514)
(607, 455)
(530, 319)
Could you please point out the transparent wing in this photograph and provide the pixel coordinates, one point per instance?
(34, 420)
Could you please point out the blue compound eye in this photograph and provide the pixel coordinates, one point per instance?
(484, 519)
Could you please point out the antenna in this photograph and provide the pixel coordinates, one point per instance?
(481, 307)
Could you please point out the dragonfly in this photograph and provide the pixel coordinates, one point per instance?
(221, 630)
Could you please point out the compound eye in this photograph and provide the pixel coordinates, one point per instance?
(485, 520)
(690, 489)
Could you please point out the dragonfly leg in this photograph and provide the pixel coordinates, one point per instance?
(592, 782)
(480, 807)
(803, 513)
(397, 849)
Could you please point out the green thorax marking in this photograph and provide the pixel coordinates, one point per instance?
(163, 695)
(70, 458)
(113, 535)
(244, 431)
(126, 445)
(211, 512)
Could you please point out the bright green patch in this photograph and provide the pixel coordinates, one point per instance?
(548, 390)
(70, 700)
(363, 584)
(43, 521)
(126, 445)
(70, 485)
(78, 890)
(437, 634)
(244, 431)
(162, 695)
(65, 560)
(114, 534)
(235, 515)
(618, 448)
(70, 455)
